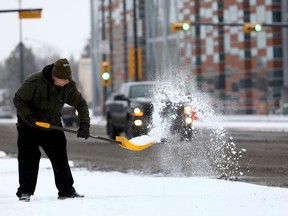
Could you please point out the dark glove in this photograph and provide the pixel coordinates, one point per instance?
(83, 130)
(30, 120)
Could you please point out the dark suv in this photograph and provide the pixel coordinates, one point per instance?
(70, 116)
(131, 110)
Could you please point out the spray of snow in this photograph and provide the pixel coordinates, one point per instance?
(211, 151)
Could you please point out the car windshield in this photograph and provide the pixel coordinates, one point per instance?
(145, 91)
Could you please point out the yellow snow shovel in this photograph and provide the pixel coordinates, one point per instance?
(125, 143)
(122, 141)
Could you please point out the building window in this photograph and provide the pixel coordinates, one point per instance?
(198, 61)
(221, 57)
(277, 52)
(220, 5)
(246, 13)
(245, 83)
(247, 54)
(221, 32)
(276, 74)
(235, 87)
(276, 16)
(276, 83)
(221, 19)
(220, 81)
(221, 43)
(247, 36)
(249, 110)
(197, 31)
(277, 35)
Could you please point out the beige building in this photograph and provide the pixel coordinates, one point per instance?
(85, 79)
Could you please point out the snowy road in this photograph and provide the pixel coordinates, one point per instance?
(264, 162)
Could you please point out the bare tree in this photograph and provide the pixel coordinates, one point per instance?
(12, 70)
(87, 49)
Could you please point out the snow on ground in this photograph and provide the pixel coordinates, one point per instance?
(113, 193)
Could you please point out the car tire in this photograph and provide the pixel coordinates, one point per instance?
(186, 134)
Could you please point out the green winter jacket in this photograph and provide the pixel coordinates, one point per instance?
(39, 97)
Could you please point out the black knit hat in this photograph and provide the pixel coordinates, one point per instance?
(62, 69)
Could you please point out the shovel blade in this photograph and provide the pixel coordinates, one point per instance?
(125, 143)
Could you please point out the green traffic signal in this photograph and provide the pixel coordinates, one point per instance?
(186, 27)
(258, 27)
(106, 76)
(105, 73)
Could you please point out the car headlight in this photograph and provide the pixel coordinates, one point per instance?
(76, 112)
(187, 110)
(188, 120)
(138, 122)
(137, 112)
(190, 113)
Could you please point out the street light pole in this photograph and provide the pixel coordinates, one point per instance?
(23, 14)
(104, 57)
(135, 40)
(21, 62)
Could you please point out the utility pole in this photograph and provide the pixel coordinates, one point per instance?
(125, 41)
(135, 40)
(104, 58)
(23, 14)
(111, 45)
(95, 59)
(21, 49)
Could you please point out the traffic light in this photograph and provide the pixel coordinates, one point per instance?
(252, 27)
(180, 26)
(105, 73)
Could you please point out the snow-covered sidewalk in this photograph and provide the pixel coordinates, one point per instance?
(112, 193)
(276, 123)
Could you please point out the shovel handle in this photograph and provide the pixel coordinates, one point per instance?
(123, 142)
(47, 125)
(104, 139)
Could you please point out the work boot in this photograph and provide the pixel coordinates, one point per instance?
(73, 195)
(24, 197)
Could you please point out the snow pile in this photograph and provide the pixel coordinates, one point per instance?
(142, 140)
(110, 194)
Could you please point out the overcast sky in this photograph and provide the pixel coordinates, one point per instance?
(64, 26)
